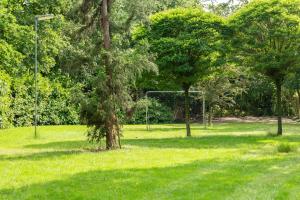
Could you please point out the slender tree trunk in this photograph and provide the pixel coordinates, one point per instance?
(111, 116)
(210, 115)
(187, 111)
(279, 106)
(298, 93)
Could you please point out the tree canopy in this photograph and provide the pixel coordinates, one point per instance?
(188, 43)
(267, 39)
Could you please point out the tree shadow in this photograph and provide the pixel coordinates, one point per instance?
(213, 141)
(206, 179)
(202, 142)
(40, 155)
(73, 144)
(217, 128)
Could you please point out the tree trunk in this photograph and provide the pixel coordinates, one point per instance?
(279, 106)
(111, 116)
(210, 115)
(187, 111)
(298, 93)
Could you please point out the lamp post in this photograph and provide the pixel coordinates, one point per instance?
(36, 22)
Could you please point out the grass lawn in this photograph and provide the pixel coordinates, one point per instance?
(228, 161)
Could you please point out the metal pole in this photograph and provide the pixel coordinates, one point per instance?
(203, 109)
(36, 21)
(35, 77)
(147, 112)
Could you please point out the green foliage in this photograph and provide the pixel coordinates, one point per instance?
(96, 104)
(55, 103)
(222, 86)
(285, 148)
(186, 42)
(258, 97)
(158, 113)
(5, 100)
(267, 36)
(267, 39)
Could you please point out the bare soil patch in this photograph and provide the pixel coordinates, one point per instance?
(253, 119)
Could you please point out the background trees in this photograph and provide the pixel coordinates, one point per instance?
(293, 83)
(187, 43)
(221, 88)
(267, 39)
(84, 81)
(16, 65)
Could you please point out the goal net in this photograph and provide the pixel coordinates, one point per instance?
(162, 107)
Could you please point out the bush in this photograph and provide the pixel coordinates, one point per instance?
(157, 112)
(55, 102)
(5, 100)
(285, 148)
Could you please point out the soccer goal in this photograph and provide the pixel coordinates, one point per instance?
(174, 101)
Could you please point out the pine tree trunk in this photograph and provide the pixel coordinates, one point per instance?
(111, 116)
(279, 107)
(187, 111)
(210, 115)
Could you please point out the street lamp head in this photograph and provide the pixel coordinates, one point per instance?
(44, 17)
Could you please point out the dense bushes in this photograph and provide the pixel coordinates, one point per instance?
(56, 105)
(17, 94)
(5, 100)
(157, 112)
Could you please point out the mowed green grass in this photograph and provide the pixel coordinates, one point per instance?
(228, 161)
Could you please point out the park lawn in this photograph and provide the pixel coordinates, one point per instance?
(228, 161)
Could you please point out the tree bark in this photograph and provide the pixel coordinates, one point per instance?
(105, 24)
(279, 106)
(110, 120)
(187, 111)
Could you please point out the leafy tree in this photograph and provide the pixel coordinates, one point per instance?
(16, 61)
(267, 39)
(221, 88)
(187, 43)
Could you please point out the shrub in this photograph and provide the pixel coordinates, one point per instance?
(5, 100)
(157, 112)
(285, 148)
(55, 102)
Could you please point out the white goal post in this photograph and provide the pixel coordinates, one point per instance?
(181, 91)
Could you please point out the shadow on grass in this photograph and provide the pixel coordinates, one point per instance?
(206, 142)
(40, 155)
(217, 128)
(213, 141)
(78, 144)
(209, 179)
